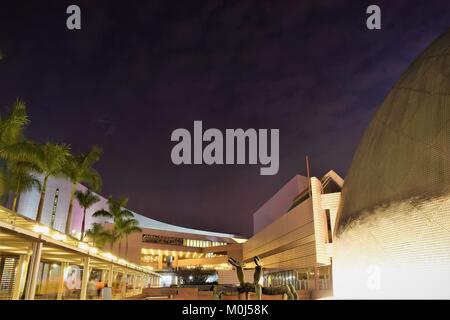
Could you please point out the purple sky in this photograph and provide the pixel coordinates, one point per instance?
(140, 69)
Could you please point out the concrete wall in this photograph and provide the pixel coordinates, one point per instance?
(288, 242)
(279, 203)
(230, 276)
(29, 201)
(298, 238)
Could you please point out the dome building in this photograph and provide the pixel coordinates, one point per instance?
(393, 226)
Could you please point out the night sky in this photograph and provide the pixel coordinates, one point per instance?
(140, 69)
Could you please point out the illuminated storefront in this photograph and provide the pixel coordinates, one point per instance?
(37, 262)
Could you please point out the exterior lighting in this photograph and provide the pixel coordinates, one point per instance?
(83, 246)
(59, 236)
(93, 250)
(108, 255)
(41, 229)
(121, 261)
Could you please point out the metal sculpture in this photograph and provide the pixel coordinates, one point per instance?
(219, 291)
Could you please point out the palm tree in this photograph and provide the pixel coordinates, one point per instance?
(50, 159)
(79, 170)
(21, 180)
(129, 226)
(118, 214)
(98, 235)
(11, 134)
(47, 159)
(86, 200)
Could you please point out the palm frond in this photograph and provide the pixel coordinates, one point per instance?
(55, 157)
(78, 169)
(102, 213)
(92, 156)
(126, 214)
(11, 127)
(92, 178)
(86, 199)
(24, 152)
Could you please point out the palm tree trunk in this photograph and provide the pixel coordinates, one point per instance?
(16, 196)
(83, 223)
(18, 201)
(14, 203)
(69, 212)
(126, 248)
(120, 246)
(41, 200)
(5, 196)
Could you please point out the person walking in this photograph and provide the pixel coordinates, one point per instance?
(106, 292)
(99, 286)
(91, 289)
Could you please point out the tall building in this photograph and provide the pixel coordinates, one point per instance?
(295, 234)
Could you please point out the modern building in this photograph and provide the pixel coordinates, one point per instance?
(165, 249)
(160, 246)
(37, 262)
(294, 237)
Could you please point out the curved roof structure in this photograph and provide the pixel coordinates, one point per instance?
(28, 204)
(405, 151)
(145, 222)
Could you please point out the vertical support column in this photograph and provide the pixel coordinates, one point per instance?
(160, 262)
(33, 270)
(85, 279)
(103, 276)
(140, 282)
(111, 276)
(316, 278)
(124, 285)
(331, 274)
(20, 276)
(175, 261)
(135, 286)
(64, 266)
